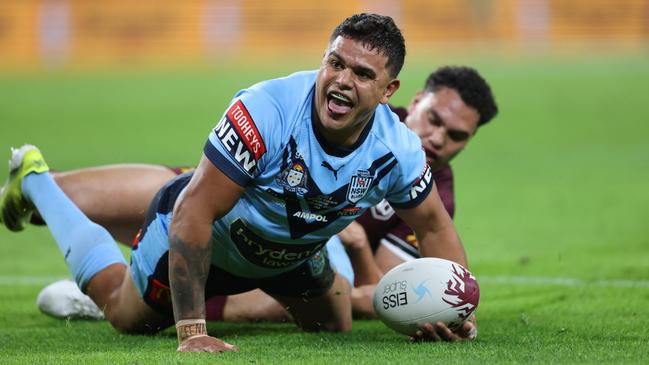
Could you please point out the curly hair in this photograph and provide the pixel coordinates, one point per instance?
(473, 89)
(378, 32)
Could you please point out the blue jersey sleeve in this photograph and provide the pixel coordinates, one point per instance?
(237, 145)
(415, 178)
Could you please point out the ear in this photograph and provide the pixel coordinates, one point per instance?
(392, 88)
(415, 100)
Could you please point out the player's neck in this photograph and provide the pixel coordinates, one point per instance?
(348, 137)
(341, 143)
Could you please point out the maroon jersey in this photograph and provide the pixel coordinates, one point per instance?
(383, 226)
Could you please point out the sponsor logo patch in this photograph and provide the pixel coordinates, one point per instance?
(421, 291)
(347, 212)
(321, 202)
(269, 254)
(311, 216)
(395, 294)
(359, 185)
(422, 183)
(462, 292)
(239, 135)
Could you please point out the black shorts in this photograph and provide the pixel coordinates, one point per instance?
(312, 278)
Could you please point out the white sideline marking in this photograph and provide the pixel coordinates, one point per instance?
(539, 280)
(25, 280)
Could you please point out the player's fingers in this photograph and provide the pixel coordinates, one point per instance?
(421, 336)
(206, 344)
(232, 348)
(468, 331)
(429, 332)
(444, 332)
(222, 347)
(418, 336)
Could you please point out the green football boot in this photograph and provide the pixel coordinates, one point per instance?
(15, 209)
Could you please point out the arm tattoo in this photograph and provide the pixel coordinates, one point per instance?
(189, 266)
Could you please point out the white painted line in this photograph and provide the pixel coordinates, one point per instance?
(538, 280)
(25, 280)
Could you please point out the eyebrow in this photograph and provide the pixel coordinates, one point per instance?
(438, 117)
(357, 68)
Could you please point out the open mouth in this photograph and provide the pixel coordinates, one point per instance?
(339, 104)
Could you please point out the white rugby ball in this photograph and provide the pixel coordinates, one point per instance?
(426, 290)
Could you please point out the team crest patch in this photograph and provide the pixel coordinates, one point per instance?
(359, 185)
(294, 178)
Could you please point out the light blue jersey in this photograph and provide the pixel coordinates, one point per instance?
(300, 190)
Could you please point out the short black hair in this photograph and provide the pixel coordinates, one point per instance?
(376, 32)
(473, 89)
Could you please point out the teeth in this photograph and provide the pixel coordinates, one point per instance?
(340, 97)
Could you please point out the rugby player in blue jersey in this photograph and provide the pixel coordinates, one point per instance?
(257, 210)
(445, 114)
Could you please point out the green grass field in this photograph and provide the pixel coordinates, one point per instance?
(553, 207)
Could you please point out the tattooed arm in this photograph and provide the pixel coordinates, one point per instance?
(209, 196)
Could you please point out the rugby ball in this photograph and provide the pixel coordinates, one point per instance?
(425, 290)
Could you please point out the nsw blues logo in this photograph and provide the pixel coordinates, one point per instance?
(294, 178)
(359, 185)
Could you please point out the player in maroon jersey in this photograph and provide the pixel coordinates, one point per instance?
(446, 114)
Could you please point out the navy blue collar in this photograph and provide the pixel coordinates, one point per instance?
(332, 149)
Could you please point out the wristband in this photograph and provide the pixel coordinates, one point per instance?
(190, 328)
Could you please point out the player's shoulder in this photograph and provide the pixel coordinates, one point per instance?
(403, 142)
(445, 172)
(276, 102)
(401, 112)
(284, 91)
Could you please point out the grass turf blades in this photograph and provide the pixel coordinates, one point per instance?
(555, 187)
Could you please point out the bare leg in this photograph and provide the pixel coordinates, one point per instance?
(363, 295)
(386, 259)
(113, 290)
(254, 306)
(358, 249)
(116, 197)
(363, 301)
(330, 312)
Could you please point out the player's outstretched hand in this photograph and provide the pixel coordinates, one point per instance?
(440, 332)
(206, 344)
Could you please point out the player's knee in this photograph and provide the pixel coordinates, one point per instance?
(364, 313)
(120, 324)
(273, 311)
(128, 326)
(339, 326)
(131, 328)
